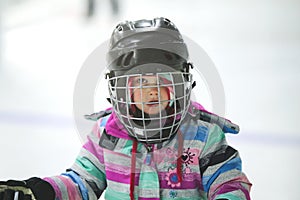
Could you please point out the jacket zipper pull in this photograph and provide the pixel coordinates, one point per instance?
(149, 156)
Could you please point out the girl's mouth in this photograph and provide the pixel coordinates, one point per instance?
(153, 103)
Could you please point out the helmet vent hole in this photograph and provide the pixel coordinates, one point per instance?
(119, 28)
(167, 21)
(128, 59)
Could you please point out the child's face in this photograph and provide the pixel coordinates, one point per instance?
(149, 99)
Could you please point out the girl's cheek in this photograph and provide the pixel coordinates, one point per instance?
(137, 96)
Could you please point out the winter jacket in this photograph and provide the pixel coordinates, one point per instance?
(197, 163)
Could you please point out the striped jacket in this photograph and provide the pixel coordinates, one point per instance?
(197, 163)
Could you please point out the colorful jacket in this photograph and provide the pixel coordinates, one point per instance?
(197, 163)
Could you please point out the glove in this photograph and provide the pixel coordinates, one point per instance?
(31, 189)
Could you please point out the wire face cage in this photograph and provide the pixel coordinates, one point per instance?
(151, 106)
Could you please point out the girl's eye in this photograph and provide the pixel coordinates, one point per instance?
(142, 81)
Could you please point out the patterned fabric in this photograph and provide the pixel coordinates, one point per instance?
(210, 169)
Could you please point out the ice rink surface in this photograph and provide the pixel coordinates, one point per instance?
(255, 46)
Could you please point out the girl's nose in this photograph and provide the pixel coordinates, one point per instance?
(153, 92)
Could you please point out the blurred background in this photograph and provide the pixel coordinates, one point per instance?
(255, 46)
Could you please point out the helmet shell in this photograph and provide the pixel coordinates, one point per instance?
(134, 43)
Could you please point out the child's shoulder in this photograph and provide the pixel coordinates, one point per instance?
(207, 118)
(98, 115)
